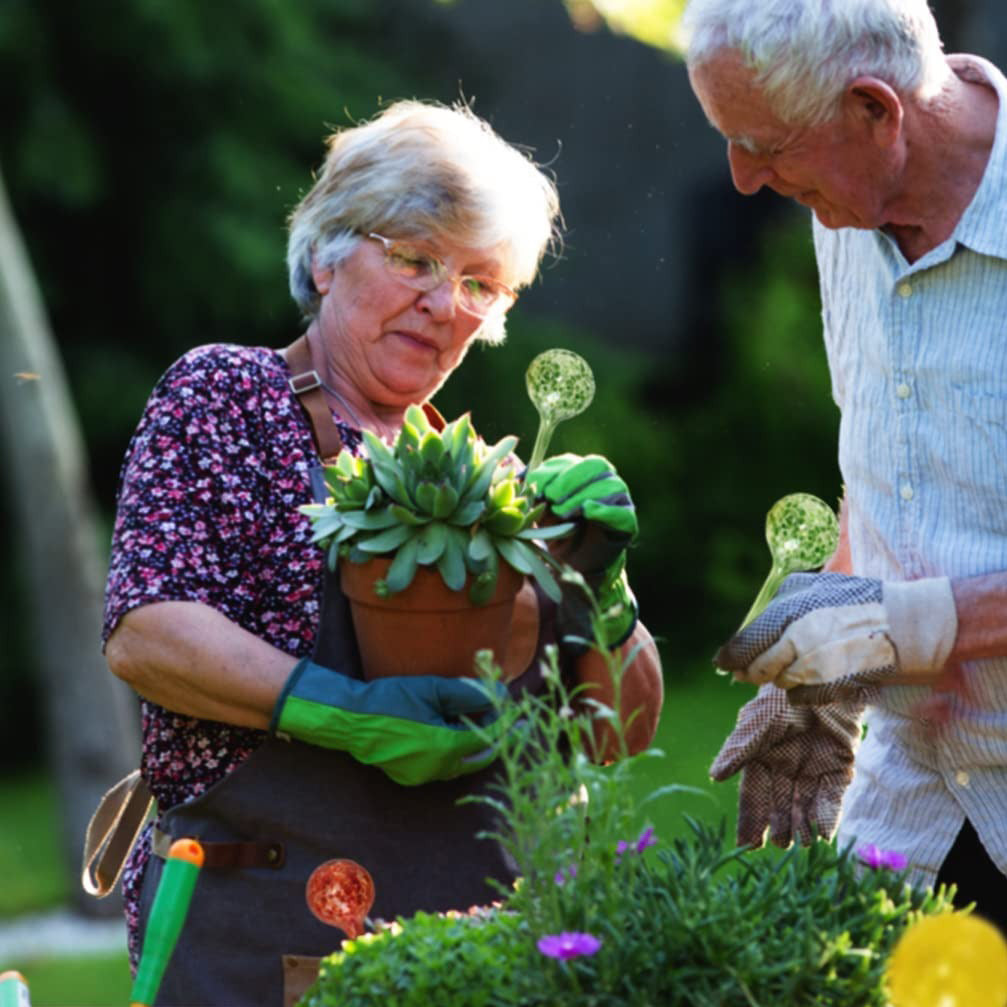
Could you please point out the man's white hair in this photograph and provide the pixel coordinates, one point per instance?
(805, 52)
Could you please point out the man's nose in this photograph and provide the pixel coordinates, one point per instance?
(749, 172)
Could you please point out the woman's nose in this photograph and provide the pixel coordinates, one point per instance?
(442, 300)
(749, 172)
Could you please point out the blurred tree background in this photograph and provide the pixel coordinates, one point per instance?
(152, 150)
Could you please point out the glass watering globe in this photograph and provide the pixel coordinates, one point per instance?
(561, 386)
(802, 532)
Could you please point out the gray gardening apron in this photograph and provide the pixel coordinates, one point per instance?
(250, 938)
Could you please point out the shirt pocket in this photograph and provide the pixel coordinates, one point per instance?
(983, 407)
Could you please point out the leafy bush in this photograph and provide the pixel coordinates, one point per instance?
(685, 930)
(604, 917)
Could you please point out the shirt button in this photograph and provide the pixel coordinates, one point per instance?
(906, 491)
(962, 778)
(903, 391)
(905, 290)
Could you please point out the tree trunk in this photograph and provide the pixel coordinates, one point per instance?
(90, 718)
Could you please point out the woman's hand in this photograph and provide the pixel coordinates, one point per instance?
(416, 729)
(590, 492)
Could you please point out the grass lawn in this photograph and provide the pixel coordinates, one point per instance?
(699, 712)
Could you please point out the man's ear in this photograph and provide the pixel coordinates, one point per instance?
(322, 275)
(876, 107)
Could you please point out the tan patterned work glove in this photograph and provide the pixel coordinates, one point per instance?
(796, 762)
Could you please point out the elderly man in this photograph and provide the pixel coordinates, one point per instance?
(851, 108)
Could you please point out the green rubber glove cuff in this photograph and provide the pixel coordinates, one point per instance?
(408, 727)
(619, 607)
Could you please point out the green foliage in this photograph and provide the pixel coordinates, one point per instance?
(689, 923)
(34, 876)
(434, 498)
(654, 22)
(81, 980)
(152, 152)
(683, 931)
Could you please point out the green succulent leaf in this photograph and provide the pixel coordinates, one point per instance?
(326, 525)
(451, 565)
(480, 545)
(386, 541)
(313, 510)
(467, 514)
(445, 501)
(385, 468)
(403, 567)
(546, 532)
(432, 448)
(482, 476)
(503, 493)
(369, 520)
(484, 585)
(505, 521)
(516, 553)
(524, 558)
(418, 418)
(459, 436)
(425, 495)
(432, 541)
(407, 516)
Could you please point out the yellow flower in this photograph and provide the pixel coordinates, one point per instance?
(952, 960)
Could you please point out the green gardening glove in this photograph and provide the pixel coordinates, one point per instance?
(588, 491)
(410, 727)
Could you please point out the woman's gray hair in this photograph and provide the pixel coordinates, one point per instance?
(424, 170)
(806, 52)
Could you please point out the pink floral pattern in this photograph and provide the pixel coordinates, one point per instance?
(207, 512)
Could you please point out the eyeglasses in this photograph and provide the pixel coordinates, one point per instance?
(476, 294)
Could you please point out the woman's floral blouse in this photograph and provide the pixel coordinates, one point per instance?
(207, 512)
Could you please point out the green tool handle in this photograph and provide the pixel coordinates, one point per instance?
(13, 990)
(167, 915)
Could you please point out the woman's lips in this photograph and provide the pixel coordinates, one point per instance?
(417, 339)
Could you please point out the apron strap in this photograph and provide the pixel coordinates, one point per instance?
(306, 383)
(111, 833)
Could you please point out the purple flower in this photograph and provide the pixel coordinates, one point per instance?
(646, 839)
(563, 876)
(874, 856)
(568, 945)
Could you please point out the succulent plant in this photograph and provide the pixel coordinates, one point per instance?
(434, 498)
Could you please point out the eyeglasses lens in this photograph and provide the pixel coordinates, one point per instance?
(476, 294)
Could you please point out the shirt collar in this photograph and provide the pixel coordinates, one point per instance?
(981, 227)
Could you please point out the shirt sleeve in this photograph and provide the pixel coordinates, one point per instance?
(189, 500)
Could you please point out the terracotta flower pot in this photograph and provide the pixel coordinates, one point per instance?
(428, 629)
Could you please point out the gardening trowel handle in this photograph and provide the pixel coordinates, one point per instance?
(167, 915)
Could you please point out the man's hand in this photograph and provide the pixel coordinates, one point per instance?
(795, 763)
(410, 727)
(829, 636)
(591, 493)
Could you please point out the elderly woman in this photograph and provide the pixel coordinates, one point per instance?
(411, 244)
